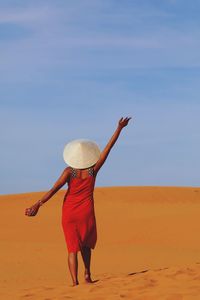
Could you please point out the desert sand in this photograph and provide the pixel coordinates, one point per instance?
(148, 246)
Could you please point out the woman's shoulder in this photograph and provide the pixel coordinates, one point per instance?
(67, 172)
(67, 169)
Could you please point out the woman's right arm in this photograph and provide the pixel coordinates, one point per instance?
(57, 185)
(32, 211)
(104, 154)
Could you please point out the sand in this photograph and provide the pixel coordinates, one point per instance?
(148, 246)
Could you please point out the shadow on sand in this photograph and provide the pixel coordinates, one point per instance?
(144, 271)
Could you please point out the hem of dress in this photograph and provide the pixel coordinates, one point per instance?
(79, 249)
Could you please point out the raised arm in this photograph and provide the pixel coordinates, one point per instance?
(32, 211)
(104, 154)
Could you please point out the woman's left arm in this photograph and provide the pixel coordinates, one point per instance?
(32, 211)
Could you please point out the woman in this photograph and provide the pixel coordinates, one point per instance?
(78, 215)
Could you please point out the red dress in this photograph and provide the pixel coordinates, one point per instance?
(78, 215)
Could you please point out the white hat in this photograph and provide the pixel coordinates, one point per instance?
(81, 153)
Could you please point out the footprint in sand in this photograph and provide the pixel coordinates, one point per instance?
(28, 295)
(47, 288)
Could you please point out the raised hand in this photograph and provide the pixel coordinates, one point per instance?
(122, 123)
(32, 211)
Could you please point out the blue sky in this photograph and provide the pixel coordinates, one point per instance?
(72, 69)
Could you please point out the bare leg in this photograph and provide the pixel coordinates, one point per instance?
(86, 255)
(73, 267)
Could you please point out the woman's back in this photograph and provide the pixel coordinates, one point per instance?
(81, 184)
(78, 215)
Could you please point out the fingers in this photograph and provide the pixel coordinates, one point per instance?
(27, 211)
(127, 118)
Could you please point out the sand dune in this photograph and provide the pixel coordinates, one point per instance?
(148, 246)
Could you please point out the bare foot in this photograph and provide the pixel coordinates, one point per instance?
(88, 278)
(74, 284)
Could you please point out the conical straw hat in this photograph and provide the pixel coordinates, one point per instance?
(81, 153)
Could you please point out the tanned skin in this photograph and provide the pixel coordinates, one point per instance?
(62, 180)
